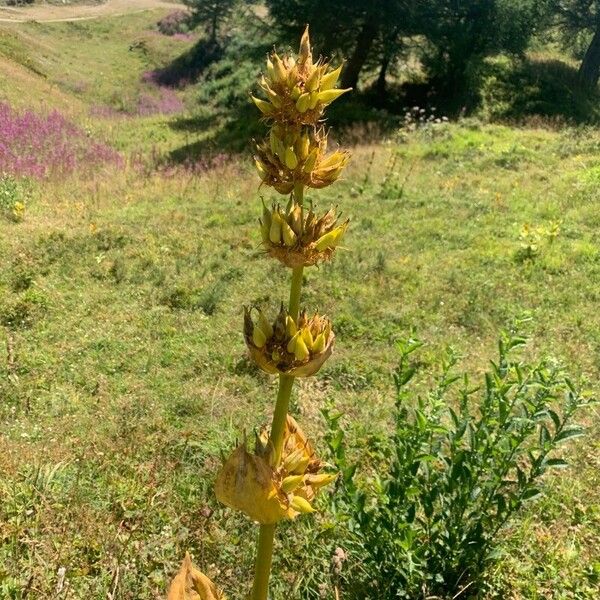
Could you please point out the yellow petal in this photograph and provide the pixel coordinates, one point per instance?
(305, 54)
(245, 483)
(192, 584)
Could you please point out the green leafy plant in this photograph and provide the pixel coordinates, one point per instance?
(12, 198)
(461, 462)
(531, 239)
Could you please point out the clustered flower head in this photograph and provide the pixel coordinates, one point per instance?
(292, 347)
(294, 156)
(290, 156)
(270, 485)
(299, 237)
(297, 89)
(269, 490)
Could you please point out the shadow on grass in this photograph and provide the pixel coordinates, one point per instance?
(189, 66)
(353, 121)
(536, 87)
(499, 89)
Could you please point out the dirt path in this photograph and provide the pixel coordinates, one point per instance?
(46, 13)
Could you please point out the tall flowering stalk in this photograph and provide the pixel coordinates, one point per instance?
(280, 478)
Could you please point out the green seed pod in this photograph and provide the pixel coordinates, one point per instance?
(258, 337)
(266, 108)
(291, 162)
(301, 351)
(275, 231)
(328, 96)
(302, 103)
(289, 237)
(289, 484)
(311, 160)
(265, 230)
(264, 325)
(319, 344)
(301, 505)
(329, 80)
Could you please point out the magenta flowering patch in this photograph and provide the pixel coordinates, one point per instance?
(174, 23)
(165, 102)
(48, 145)
(157, 101)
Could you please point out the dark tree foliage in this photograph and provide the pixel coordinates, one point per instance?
(454, 34)
(461, 33)
(575, 17)
(211, 14)
(361, 30)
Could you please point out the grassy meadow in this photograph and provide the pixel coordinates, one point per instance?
(125, 374)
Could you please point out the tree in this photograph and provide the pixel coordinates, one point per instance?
(574, 17)
(361, 30)
(212, 14)
(463, 32)
(454, 35)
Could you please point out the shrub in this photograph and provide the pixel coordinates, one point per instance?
(460, 463)
(175, 22)
(510, 88)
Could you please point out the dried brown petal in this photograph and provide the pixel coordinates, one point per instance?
(192, 584)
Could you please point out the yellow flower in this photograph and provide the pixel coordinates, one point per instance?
(292, 157)
(298, 237)
(18, 211)
(296, 89)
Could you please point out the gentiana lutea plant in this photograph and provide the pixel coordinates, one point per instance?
(280, 478)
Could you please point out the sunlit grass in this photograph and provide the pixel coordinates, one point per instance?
(129, 367)
(121, 294)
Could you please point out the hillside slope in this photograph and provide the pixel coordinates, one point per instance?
(45, 13)
(98, 72)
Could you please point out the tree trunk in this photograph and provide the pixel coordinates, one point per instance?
(589, 71)
(213, 28)
(355, 63)
(380, 86)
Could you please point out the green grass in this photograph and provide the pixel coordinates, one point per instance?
(83, 65)
(121, 300)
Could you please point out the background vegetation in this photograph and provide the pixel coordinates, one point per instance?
(124, 374)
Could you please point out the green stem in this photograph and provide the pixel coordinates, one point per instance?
(280, 415)
(264, 550)
(264, 556)
(294, 306)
